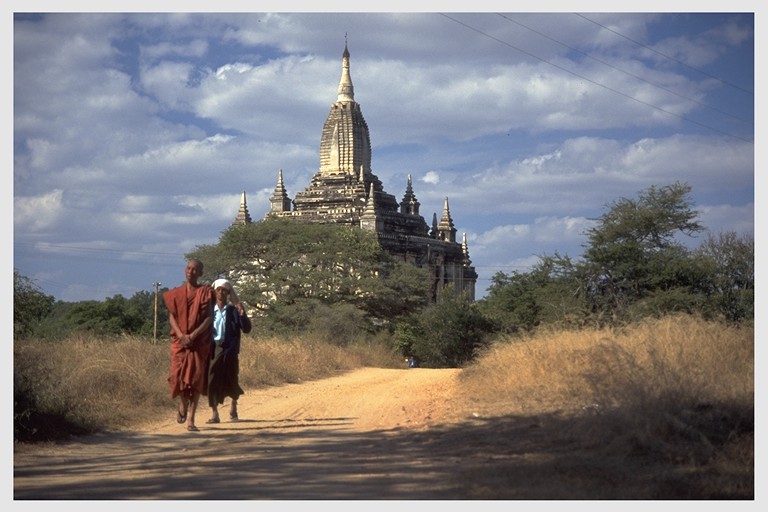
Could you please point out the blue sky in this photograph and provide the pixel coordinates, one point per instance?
(134, 135)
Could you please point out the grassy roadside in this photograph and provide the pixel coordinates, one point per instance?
(670, 399)
(663, 409)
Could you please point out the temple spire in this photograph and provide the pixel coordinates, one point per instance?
(346, 90)
(280, 201)
(243, 217)
(446, 231)
(465, 250)
(409, 205)
(433, 232)
(370, 219)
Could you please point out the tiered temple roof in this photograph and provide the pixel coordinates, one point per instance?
(345, 190)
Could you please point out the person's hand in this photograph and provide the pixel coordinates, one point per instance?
(186, 341)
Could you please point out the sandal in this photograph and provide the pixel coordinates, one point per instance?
(193, 428)
(233, 416)
(181, 417)
(214, 420)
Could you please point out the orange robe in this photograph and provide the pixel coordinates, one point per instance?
(189, 366)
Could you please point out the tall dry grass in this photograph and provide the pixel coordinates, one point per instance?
(271, 361)
(669, 399)
(674, 360)
(86, 384)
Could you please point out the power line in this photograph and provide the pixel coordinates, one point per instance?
(655, 107)
(75, 248)
(113, 256)
(666, 56)
(658, 86)
(48, 284)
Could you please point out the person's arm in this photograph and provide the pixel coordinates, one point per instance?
(184, 339)
(233, 298)
(200, 329)
(245, 322)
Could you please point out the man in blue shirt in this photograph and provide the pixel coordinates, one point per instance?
(229, 321)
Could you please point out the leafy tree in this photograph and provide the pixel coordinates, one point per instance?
(278, 262)
(400, 289)
(30, 305)
(729, 260)
(448, 334)
(511, 302)
(338, 324)
(141, 307)
(546, 294)
(634, 251)
(634, 265)
(54, 326)
(406, 334)
(112, 316)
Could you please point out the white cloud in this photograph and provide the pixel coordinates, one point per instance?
(568, 231)
(431, 177)
(167, 82)
(34, 214)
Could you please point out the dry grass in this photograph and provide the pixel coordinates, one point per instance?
(275, 361)
(85, 384)
(678, 360)
(660, 410)
(657, 410)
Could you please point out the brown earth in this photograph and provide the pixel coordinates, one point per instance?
(370, 434)
(348, 437)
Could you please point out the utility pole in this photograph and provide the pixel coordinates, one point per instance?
(156, 285)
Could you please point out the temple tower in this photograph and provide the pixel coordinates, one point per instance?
(344, 190)
(243, 217)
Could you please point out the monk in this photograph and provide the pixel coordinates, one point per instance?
(190, 309)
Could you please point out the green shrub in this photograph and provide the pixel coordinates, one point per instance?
(337, 324)
(449, 334)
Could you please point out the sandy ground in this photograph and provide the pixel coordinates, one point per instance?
(370, 434)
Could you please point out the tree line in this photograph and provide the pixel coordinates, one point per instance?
(337, 283)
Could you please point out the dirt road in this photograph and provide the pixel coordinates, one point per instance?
(370, 434)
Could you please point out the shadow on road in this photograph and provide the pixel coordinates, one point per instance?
(510, 457)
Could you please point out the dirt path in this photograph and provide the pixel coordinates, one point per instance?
(369, 434)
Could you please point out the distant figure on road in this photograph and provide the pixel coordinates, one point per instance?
(229, 321)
